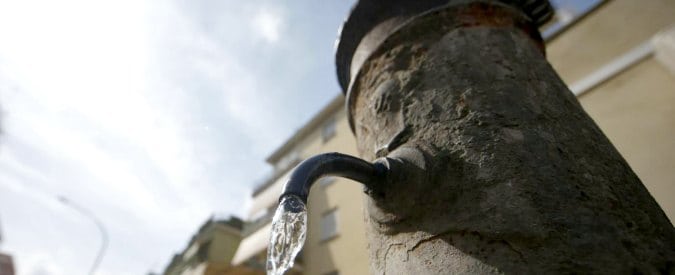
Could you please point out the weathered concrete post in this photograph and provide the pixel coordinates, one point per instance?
(513, 176)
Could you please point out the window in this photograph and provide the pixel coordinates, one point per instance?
(566, 13)
(259, 214)
(288, 160)
(328, 130)
(203, 251)
(329, 225)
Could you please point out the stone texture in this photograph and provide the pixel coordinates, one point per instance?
(517, 179)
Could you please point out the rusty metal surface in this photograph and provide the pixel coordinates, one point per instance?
(448, 18)
(367, 14)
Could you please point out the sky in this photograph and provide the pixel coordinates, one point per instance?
(153, 115)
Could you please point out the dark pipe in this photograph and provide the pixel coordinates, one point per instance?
(332, 164)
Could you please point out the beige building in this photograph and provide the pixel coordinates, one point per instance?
(6, 262)
(616, 61)
(607, 55)
(210, 250)
(336, 235)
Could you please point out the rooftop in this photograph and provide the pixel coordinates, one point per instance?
(307, 129)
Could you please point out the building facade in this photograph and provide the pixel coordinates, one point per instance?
(616, 60)
(6, 262)
(335, 241)
(210, 250)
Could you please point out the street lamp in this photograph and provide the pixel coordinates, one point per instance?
(101, 228)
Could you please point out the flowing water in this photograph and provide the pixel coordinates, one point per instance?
(289, 228)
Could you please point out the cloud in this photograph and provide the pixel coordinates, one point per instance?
(268, 24)
(42, 265)
(90, 117)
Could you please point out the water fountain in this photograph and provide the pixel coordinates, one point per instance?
(515, 177)
(289, 225)
(289, 229)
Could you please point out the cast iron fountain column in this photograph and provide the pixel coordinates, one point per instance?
(512, 175)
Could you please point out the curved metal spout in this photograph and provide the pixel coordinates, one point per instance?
(331, 164)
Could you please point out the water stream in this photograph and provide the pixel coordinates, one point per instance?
(289, 229)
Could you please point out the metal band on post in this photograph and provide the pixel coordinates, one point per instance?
(371, 23)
